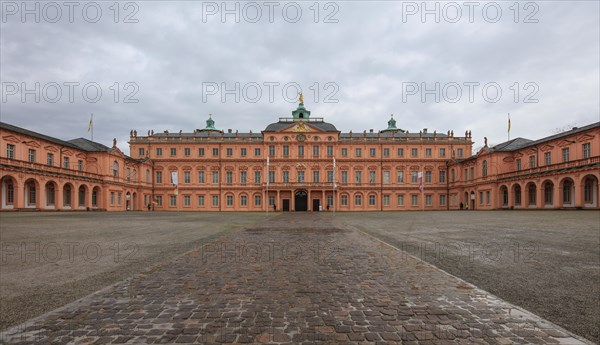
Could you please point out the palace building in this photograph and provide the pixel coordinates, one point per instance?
(299, 163)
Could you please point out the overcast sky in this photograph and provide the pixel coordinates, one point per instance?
(357, 62)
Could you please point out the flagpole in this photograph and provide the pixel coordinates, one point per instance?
(333, 191)
(268, 177)
(509, 126)
(92, 126)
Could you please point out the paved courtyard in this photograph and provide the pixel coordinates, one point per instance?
(291, 278)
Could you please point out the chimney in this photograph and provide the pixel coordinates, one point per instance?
(424, 130)
(371, 130)
(229, 130)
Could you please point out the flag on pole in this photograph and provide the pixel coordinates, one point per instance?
(175, 181)
(420, 180)
(91, 125)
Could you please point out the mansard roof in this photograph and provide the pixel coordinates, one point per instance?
(284, 123)
(37, 135)
(90, 146)
(519, 143)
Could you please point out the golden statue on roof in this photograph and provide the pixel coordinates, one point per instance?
(301, 98)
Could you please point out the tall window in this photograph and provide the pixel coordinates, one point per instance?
(565, 154)
(187, 177)
(400, 152)
(243, 152)
(414, 152)
(286, 176)
(243, 200)
(257, 152)
(215, 200)
(200, 200)
(587, 150)
(344, 177)
(286, 150)
(300, 176)
(215, 177)
(371, 176)
(357, 176)
(459, 152)
(173, 200)
(386, 177)
(484, 168)
(159, 200)
(158, 152)
(548, 158)
(316, 176)
(442, 174)
(50, 159)
(66, 164)
(315, 151)
(400, 176)
(243, 177)
(428, 152)
(372, 152)
(271, 176)
(427, 176)
(229, 200)
(216, 154)
(187, 152)
(344, 200)
(532, 161)
(358, 200)
(329, 176)
(414, 200)
(229, 177)
(400, 199)
(186, 200)
(173, 151)
(10, 151)
(141, 152)
(428, 199)
(300, 151)
(201, 152)
(414, 177)
(201, 177)
(272, 150)
(159, 177)
(443, 200)
(229, 152)
(257, 177)
(330, 150)
(257, 200)
(80, 166)
(372, 200)
(115, 168)
(518, 162)
(548, 194)
(443, 154)
(344, 152)
(31, 155)
(358, 152)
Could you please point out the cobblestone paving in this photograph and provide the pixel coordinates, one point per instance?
(294, 279)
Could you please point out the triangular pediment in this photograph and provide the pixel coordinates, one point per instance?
(585, 137)
(11, 138)
(32, 143)
(300, 127)
(117, 152)
(546, 147)
(51, 148)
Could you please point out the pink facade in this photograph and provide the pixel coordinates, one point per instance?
(296, 164)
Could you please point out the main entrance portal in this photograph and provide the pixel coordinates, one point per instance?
(301, 200)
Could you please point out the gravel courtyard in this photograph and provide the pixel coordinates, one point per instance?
(546, 262)
(50, 259)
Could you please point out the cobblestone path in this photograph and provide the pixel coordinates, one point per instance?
(294, 279)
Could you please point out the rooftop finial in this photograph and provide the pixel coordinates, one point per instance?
(210, 123)
(301, 98)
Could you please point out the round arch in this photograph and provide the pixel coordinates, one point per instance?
(548, 193)
(31, 193)
(9, 190)
(50, 191)
(531, 194)
(517, 194)
(504, 199)
(96, 197)
(567, 189)
(68, 193)
(589, 192)
(82, 196)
